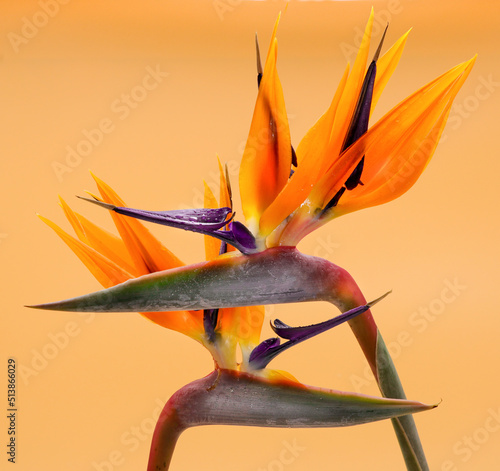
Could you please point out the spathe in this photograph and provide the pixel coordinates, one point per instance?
(227, 397)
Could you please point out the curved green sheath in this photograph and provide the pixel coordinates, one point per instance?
(227, 397)
(276, 276)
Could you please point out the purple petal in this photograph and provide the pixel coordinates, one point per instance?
(242, 235)
(262, 350)
(204, 221)
(210, 317)
(359, 121)
(280, 324)
(196, 220)
(223, 247)
(266, 351)
(357, 128)
(299, 334)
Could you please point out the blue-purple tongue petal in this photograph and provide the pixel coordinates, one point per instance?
(270, 348)
(242, 236)
(197, 220)
(299, 334)
(263, 348)
(206, 221)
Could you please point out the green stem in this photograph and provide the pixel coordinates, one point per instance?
(382, 366)
(405, 428)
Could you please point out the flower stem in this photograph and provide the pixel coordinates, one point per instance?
(382, 366)
(166, 434)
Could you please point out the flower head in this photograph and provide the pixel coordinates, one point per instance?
(114, 260)
(221, 327)
(340, 166)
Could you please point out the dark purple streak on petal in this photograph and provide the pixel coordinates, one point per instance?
(361, 116)
(210, 317)
(259, 63)
(358, 126)
(271, 123)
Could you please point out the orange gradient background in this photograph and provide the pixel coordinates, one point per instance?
(91, 405)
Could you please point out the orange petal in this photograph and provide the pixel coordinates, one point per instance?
(73, 220)
(243, 325)
(392, 144)
(323, 143)
(225, 194)
(189, 323)
(225, 187)
(101, 240)
(250, 319)
(386, 66)
(148, 254)
(397, 149)
(267, 157)
(398, 162)
(351, 93)
(212, 245)
(110, 274)
(312, 158)
(104, 270)
(107, 243)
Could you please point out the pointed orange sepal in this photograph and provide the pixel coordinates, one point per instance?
(109, 274)
(400, 145)
(266, 160)
(148, 254)
(212, 245)
(386, 66)
(323, 143)
(226, 198)
(312, 157)
(396, 149)
(104, 270)
(99, 239)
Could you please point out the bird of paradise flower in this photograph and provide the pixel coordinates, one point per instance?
(340, 166)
